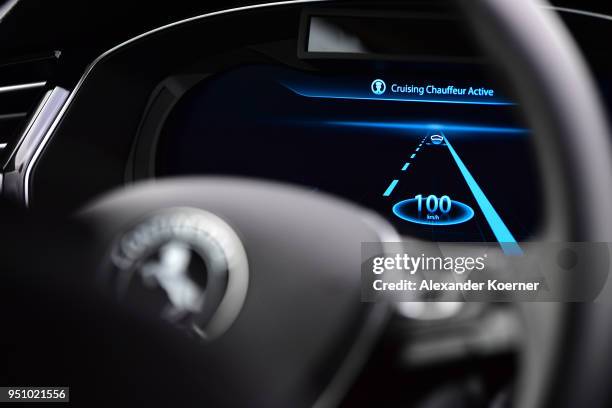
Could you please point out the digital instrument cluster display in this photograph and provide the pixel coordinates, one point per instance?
(443, 160)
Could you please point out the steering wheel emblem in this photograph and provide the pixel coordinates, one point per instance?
(185, 265)
(171, 273)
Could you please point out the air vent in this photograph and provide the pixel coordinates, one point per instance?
(23, 87)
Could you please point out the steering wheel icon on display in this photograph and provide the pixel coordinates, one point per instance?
(378, 87)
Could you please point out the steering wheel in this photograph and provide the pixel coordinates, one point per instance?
(280, 322)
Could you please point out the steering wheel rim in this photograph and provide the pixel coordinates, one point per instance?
(551, 79)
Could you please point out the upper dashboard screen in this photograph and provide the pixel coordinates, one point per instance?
(391, 36)
(442, 159)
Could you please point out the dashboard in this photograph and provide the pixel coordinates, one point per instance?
(342, 100)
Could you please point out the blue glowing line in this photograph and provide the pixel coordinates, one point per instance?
(502, 233)
(405, 166)
(428, 126)
(418, 148)
(412, 156)
(323, 95)
(389, 189)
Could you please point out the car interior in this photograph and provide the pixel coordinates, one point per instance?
(235, 203)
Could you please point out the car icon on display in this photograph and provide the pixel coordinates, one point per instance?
(436, 139)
